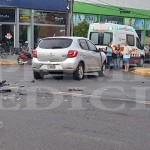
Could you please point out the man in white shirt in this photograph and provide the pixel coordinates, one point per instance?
(126, 56)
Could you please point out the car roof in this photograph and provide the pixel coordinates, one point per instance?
(65, 37)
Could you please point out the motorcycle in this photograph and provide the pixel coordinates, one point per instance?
(24, 59)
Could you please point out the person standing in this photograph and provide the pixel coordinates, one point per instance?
(116, 57)
(108, 52)
(126, 56)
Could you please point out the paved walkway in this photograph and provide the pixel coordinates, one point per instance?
(145, 71)
(10, 60)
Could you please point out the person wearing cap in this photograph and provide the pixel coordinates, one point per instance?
(25, 49)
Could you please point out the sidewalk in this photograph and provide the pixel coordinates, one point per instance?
(145, 71)
(10, 60)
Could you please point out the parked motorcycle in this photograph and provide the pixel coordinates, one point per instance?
(24, 59)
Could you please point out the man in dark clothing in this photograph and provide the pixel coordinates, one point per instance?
(25, 49)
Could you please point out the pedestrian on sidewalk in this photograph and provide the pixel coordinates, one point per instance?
(126, 56)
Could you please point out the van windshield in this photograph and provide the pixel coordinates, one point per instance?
(101, 38)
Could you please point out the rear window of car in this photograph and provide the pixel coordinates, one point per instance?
(55, 43)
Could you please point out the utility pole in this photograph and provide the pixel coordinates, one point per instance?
(69, 18)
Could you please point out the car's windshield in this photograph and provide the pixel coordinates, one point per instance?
(101, 38)
(55, 43)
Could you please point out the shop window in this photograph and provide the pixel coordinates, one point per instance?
(7, 15)
(111, 19)
(44, 17)
(47, 31)
(148, 33)
(24, 15)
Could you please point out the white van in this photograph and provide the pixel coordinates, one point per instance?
(103, 33)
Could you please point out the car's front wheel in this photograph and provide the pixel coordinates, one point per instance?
(141, 63)
(79, 73)
(103, 70)
(38, 75)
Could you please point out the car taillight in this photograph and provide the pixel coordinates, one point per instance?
(72, 53)
(34, 53)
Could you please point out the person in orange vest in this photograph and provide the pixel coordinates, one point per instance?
(116, 57)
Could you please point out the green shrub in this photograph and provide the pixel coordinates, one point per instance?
(81, 29)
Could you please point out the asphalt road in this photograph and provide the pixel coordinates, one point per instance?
(97, 113)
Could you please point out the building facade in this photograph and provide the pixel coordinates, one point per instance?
(138, 18)
(26, 20)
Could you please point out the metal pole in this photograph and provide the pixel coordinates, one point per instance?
(69, 18)
(71, 29)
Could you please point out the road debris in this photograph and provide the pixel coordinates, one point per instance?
(3, 83)
(75, 89)
(4, 87)
(32, 81)
(1, 124)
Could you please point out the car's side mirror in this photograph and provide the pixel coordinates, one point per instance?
(100, 50)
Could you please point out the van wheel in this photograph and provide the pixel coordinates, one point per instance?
(141, 63)
(38, 75)
(103, 70)
(79, 73)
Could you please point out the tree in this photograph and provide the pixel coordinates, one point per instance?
(81, 29)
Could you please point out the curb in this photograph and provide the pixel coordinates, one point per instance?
(8, 63)
(141, 71)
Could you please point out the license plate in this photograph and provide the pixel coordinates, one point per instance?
(51, 66)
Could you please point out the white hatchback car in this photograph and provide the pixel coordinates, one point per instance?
(70, 55)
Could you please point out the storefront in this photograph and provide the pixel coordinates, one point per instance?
(139, 19)
(22, 21)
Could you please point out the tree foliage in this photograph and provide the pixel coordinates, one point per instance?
(81, 29)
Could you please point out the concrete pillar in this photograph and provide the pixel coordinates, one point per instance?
(32, 29)
(16, 30)
(29, 38)
(30, 32)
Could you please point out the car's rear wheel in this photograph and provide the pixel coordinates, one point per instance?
(79, 73)
(38, 75)
(103, 70)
